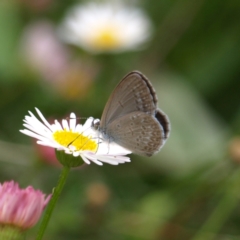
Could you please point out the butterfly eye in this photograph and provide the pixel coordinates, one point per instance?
(95, 124)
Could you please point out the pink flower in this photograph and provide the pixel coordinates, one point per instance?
(47, 56)
(44, 52)
(21, 207)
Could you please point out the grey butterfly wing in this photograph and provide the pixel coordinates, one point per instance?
(163, 120)
(133, 93)
(139, 132)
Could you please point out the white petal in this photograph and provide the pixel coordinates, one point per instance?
(78, 128)
(112, 149)
(93, 158)
(57, 126)
(88, 124)
(85, 159)
(65, 125)
(38, 131)
(32, 134)
(106, 160)
(76, 154)
(50, 144)
(113, 159)
(43, 119)
(72, 121)
(34, 122)
(118, 158)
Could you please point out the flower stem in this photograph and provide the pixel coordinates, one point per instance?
(56, 193)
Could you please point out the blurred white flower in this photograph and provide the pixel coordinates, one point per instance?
(105, 27)
(75, 139)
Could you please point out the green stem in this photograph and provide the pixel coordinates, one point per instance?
(56, 192)
(222, 211)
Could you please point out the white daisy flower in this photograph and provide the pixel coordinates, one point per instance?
(74, 139)
(105, 27)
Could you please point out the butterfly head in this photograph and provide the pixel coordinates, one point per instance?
(95, 124)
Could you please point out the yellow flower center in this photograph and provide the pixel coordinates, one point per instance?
(81, 143)
(106, 38)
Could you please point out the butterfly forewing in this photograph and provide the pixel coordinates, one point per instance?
(139, 132)
(133, 93)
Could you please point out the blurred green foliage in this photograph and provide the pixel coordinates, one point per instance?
(190, 190)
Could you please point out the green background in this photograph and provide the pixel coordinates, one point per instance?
(190, 190)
